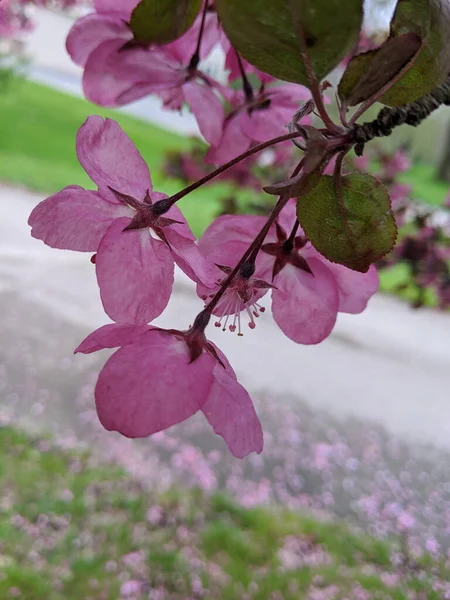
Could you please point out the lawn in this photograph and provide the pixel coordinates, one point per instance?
(38, 126)
(73, 529)
(425, 186)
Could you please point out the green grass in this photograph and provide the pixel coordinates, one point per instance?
(68, 526)
(38, 126)
(425, 187)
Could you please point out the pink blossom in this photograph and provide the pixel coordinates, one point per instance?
(405, 521)
(242, 294)
(309, 291)
(130, 588)
(134, 269)
(257, 117)
(119, 71)
(395, 163)
(100, 43)
(159, 378)
(432, 545)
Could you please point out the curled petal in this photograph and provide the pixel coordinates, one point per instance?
(135, 274)
(230, 228)
(74, 219)
(102, 81)
(111, 159)
(229, 410)
(190, 259)
(229, 236)
(355, 289)
(261, 125)
(305, 306)
(92, 30)
(111, 336)
(207, 109)
(150, 385)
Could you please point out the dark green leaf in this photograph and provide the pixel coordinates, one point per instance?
(266, 33)
(349, 220)
(367, 73)
(430, 19)
(163, 21)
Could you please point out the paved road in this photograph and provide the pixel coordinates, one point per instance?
(390, 364)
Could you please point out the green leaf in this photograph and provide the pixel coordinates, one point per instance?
(163, 21)
(367, 73)
(349, 220)
(266, 33)
(430, 19)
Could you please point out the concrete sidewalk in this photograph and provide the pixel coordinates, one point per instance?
(391, 364)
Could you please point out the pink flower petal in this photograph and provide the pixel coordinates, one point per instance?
(110, 158)
(207, 109)
(305, 306)
(113, 77)
(74, 219)
(188, 257)
(181, 226)
(135, 273)
(102, 83)
(151, 385)
(124, 7)
(261, 125)
(230, 228)
(230, 412)
(355, 289)
(184, 47)
(229, 236)
(288, 217)
(111, 336)
(92, 30)
(234, 141)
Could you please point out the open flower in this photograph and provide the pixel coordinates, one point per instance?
(159, 378)
(308, 290)
(241, 295)
(135, 247)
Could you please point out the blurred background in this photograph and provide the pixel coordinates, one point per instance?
(351, 496)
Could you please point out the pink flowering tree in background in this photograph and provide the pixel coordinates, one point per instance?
(327, 224)
(16, 17)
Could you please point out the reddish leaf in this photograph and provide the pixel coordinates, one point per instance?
(367, 73)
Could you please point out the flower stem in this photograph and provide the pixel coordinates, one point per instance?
(255, 245)
(193, 63)
(248, 90)
(164, 205)
(251, 253)
(313, 83)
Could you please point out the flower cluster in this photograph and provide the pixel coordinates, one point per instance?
(158, 378)
(137, 235)
(15, 18)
